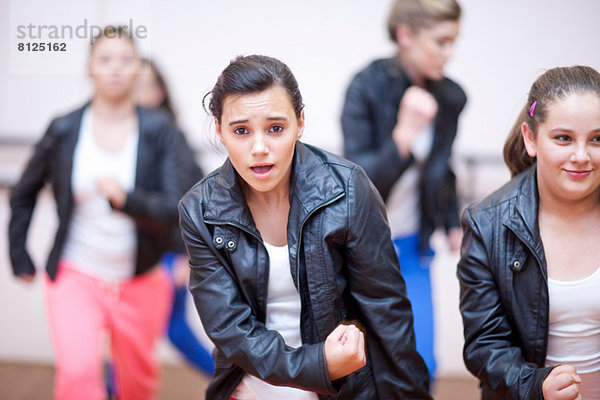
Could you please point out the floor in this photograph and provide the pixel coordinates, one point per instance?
(20, 381)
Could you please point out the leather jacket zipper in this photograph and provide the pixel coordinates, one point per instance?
(333, 200)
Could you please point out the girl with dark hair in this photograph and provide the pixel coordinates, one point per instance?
(293, 271)
(113, 170)
(529, 275)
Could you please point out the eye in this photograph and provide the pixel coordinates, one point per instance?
(562, 138)
(596, 139)
(241, 131)
(276, 129)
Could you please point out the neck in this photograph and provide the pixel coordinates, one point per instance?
(113, 110)
(569, 210)
(273, 199)
(415, 77)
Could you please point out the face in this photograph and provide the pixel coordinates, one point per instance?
(260, 131)
(148, 92)
(425, 52)
(567, 148)
(114, 67)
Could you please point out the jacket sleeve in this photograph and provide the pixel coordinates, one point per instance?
(234, 329)
(379, 291)
(23, 197)
(491, 351)
(158, 207)
(381, 161)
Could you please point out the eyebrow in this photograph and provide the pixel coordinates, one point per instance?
(243, 121)
(559, 129)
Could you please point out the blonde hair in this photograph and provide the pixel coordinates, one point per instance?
(417, 14)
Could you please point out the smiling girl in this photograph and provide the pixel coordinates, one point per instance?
(529, 271)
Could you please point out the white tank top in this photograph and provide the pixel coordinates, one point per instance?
(402, 204)
(101, 242)
(283, 316)
(574, 333)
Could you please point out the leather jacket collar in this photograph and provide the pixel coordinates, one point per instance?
(523, 222)
(312, 185)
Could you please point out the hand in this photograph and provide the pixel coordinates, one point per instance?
(110, 187)
(562, 383)
(344, 351)
(417, 109)
(454, 239)
(181, 271)
(27, 278)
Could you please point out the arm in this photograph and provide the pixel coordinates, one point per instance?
(381, 161)
(379, 291)
(491, 351)
(158, 207)
(23, 198)
(231, 325)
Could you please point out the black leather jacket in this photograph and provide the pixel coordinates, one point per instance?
(343, 264)
(152, 204)
(504, 292)
(368, 119)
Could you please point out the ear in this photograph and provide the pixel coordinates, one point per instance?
(404, 35)
(218, 129)
(529, 140)
(300, 126)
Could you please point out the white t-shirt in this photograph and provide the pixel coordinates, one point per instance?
(574, 333)
(283, 316)
(402, 204)
(101, 242)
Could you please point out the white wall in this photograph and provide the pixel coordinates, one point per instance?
(503, 46)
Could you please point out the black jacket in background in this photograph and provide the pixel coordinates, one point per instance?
(504, 292)
(152, 204)
(368, 119)
(343, 264)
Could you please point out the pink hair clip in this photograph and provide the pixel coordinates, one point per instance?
(532, 108)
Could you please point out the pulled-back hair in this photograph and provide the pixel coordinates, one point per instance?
(554, 84)
(252, 74)
(417, 14)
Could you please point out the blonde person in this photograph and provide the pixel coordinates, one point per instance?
(529, 274)
(399, 122)
(112, 167)
(287, 242)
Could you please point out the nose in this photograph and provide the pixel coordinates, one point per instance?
(580, 154)
(259, 146)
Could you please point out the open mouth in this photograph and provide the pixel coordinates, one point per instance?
(262, 169)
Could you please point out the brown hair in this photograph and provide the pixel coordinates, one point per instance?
(554, 84)
(165, 104)
(417, 14)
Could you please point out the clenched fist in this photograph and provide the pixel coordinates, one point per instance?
(417, 109)
(562, 383)
(344, 351)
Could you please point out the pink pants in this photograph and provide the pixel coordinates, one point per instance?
(82, 309)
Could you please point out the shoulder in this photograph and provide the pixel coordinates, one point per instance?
(501, 203)
(380, 70)
(153, 120)
(340, 168)
(68, 122)
(349, 176)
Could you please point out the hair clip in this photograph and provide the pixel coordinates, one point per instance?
(532, 108)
